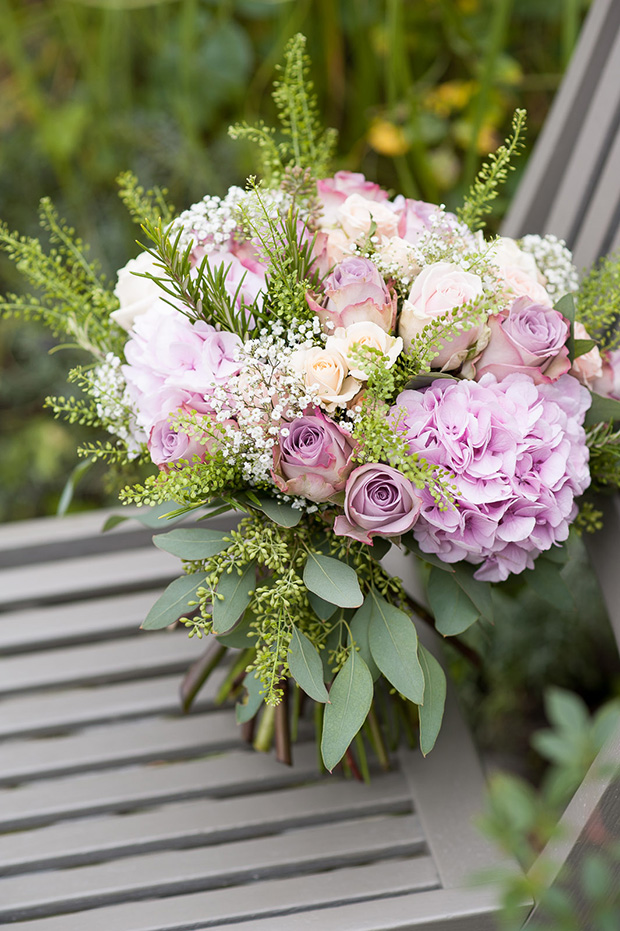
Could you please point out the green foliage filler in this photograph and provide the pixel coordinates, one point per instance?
(598, 307)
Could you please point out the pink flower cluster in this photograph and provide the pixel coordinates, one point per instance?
(519, 457)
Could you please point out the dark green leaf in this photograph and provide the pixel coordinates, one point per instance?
(566, 306)
(479, 593)
(170, 606)
(546, 580)
(583, 345)
(246, 710)
(394, 647)
(113, 521)
(306, 667)
(453, 610)
(350, 697)
(279, 513)
(333, 581)
(359, 631)
(431, 712)
(70, 485)
(379, 548)
(192, 542)
(602, 409)
(323, 609)
(236, 590)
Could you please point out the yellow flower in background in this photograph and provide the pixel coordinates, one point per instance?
(449, 97)
(387, 138)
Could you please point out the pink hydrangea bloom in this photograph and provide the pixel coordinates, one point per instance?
(519, 457)
(172, 362)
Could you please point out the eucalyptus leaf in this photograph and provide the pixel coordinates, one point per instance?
(323, 609)
(394, 646)
(602, 409)
(237, 637)
(306, 667)
(333, 581)
(431, 712)
(279, 512)
(236, 590)
(170, 606)
(246, 710)
(350, 700)
(192, 542)
(70, 485)
(479, 593)
(358, 626)
(453, 610)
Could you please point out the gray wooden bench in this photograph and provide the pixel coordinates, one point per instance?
(118, 813)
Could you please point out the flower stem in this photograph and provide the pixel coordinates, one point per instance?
(282, 728)
(266, 727)
(377, 738)
(199, 672)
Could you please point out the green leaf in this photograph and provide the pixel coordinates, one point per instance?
(350, 697)
(379, 548)
(236, 590)
(479, 593)
(279, 513)
(431, 712)
(453, 610)
(602, 409)
(113, 521)
(170, 606)
(545, 579)
(306, 666)
(583, 345)
(333, 581)
(237, 638)
(244, 711)
(566, 306)
(358, 626)
(566, 710)
(68, 491)
(323, 609)
(192, 542)
(394, 647)
(152, 517)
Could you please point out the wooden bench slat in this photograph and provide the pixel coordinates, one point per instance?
(29, 715)
(205, 821)
(120, 744)
(240, 771)
(147, 654)
(71, 624)
(104, 574)
(595, 234)
(173, 872)
(271, 897)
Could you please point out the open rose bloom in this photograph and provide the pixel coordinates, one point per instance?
(351, 371)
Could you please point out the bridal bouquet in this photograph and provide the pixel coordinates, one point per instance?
(349, 370)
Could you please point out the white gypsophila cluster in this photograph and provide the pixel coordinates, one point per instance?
(109, 390)
(211, 222)
(267, 392)
(555, 261)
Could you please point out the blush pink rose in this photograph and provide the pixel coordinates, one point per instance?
(530, 339)
(313, 458)
(587, 368)
(334, 191)
(608, 385)
(438, 289)
(379, 501)
(356, 291)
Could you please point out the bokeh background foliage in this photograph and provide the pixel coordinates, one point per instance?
(418, 89)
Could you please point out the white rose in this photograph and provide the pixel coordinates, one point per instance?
(136, 295)
(438, 289)
(329, 371)
(362, 334)
(357, 214)
(400, 256)
(505, 253)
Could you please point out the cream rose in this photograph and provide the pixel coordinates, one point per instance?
(519, 283)
(588, 367)
(364, 334)
(438, 289)
(328, 370)
(399, 257)
(357, 215)
(136, 295)
(505, 253)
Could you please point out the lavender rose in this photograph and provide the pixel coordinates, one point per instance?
(168, 446)
(379, 501)
(530, 339)
(356, 291)
(313, 458)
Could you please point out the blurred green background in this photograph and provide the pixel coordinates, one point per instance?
(418, 89)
